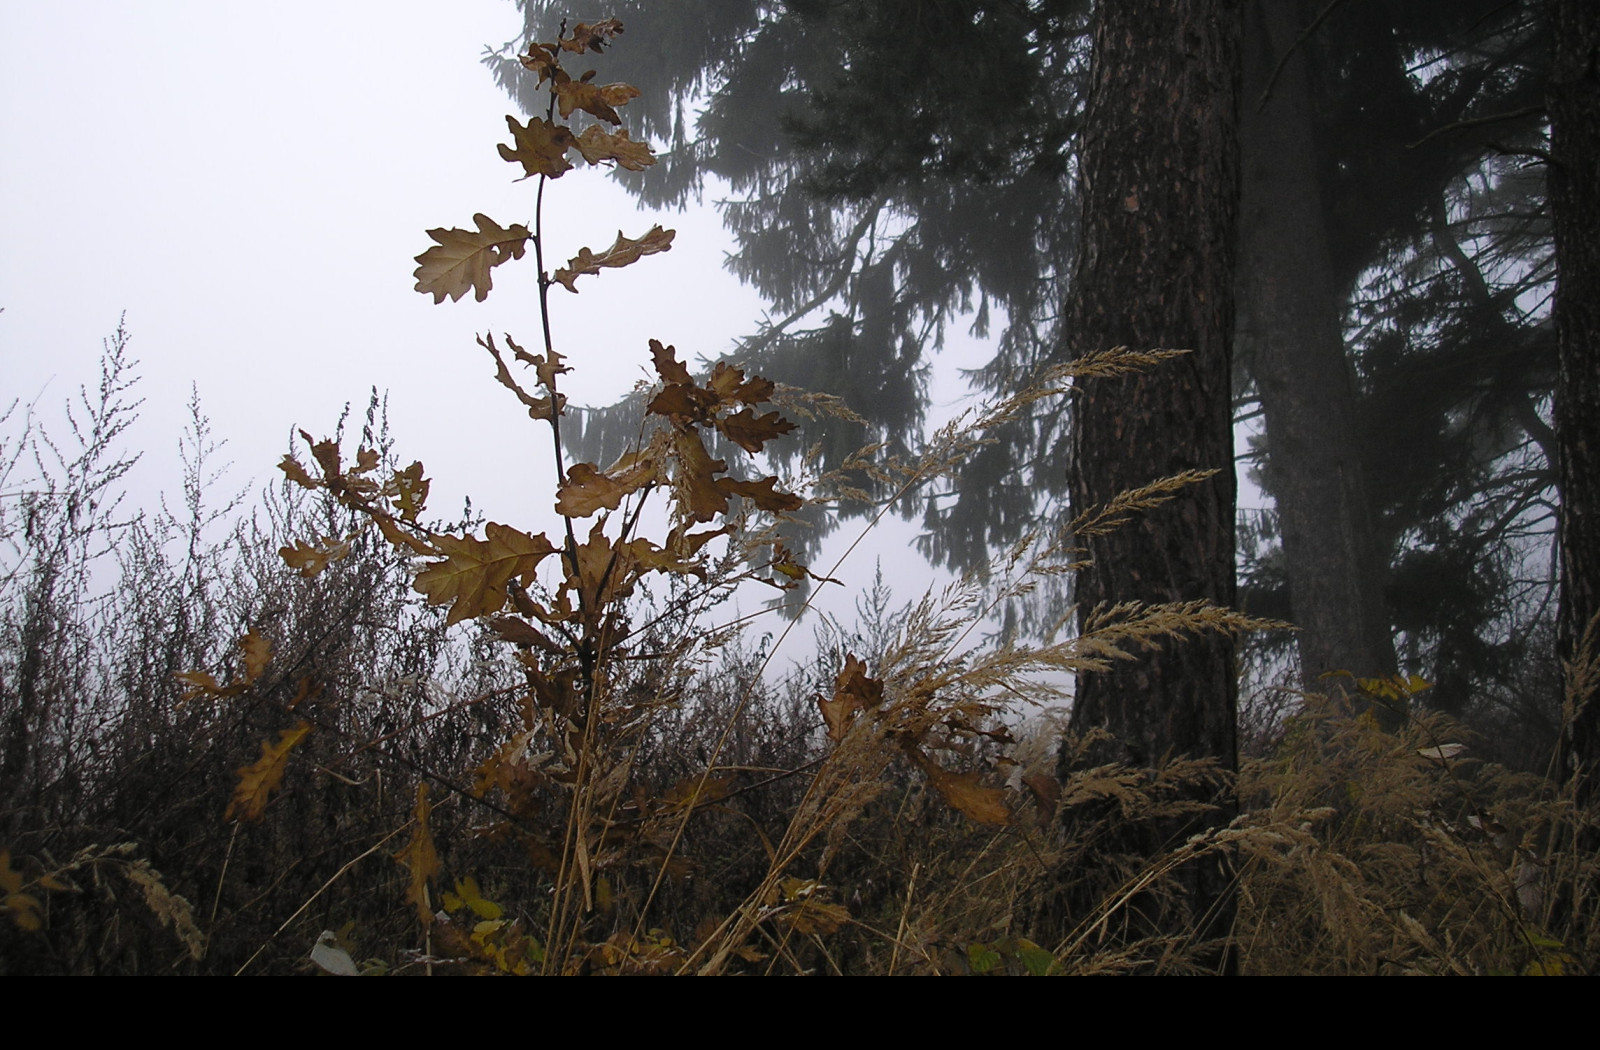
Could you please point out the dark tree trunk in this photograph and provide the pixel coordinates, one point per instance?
(1290, 321)
(1574, 105)
(1159, 177)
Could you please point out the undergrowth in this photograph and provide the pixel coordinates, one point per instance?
(559, 763)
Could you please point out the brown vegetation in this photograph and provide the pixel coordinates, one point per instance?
(549, 762)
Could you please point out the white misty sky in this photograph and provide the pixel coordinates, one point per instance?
(251, 182)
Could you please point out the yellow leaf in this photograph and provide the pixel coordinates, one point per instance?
(468, 895)
(199, 683)
(258, 780)
(986, 805)
(256, 652)
(622, 252)
(24, 907)
(461, 261)
(420, 857)
(472, 578)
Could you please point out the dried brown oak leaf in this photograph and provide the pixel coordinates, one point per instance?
(462, 259)
(600, 100)
(541, 147)
(750, 431)
(597, 145)
(258, 780)
(668, 367)
(963, 791)
(408, 490)
(592, 37)
(762, 494)
(621, 253)
(729, 384)
(605, 572)
(695, 486)
(473, 576)
(541, 59)
(421, 858)
(853, 692)
(588, 490)
(310, 559)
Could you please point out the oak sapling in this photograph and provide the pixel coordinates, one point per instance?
(571, 627)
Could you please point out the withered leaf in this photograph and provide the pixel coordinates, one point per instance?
(687, 544)
(668, 367)
(326, 453)
(621, 253)
(853, 691)
(696, 484)
(598, 99)
(473, 576)
(256, 652)
(601, 563)
(587, 490)
(462, 259)
(785, 564)
(729, 384)
(546, 366)
(596, 144)
(538, 407)
(311, 559)
(1046, 792)
(409, 491)
(296, 473)
(540, 59)
(592, 37)
(541, 147)
(682, 403)
(258, 780)
(699, 790)
(963, 791)
(762, 494)
(522, 633)
(199, 683)
(421, 858)
(806, 912)
(400, 537)
(750, 432)
(649, 557)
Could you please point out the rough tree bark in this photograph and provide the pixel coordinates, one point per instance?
(1159, 175)
(1290, 314)
(1573, 98)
